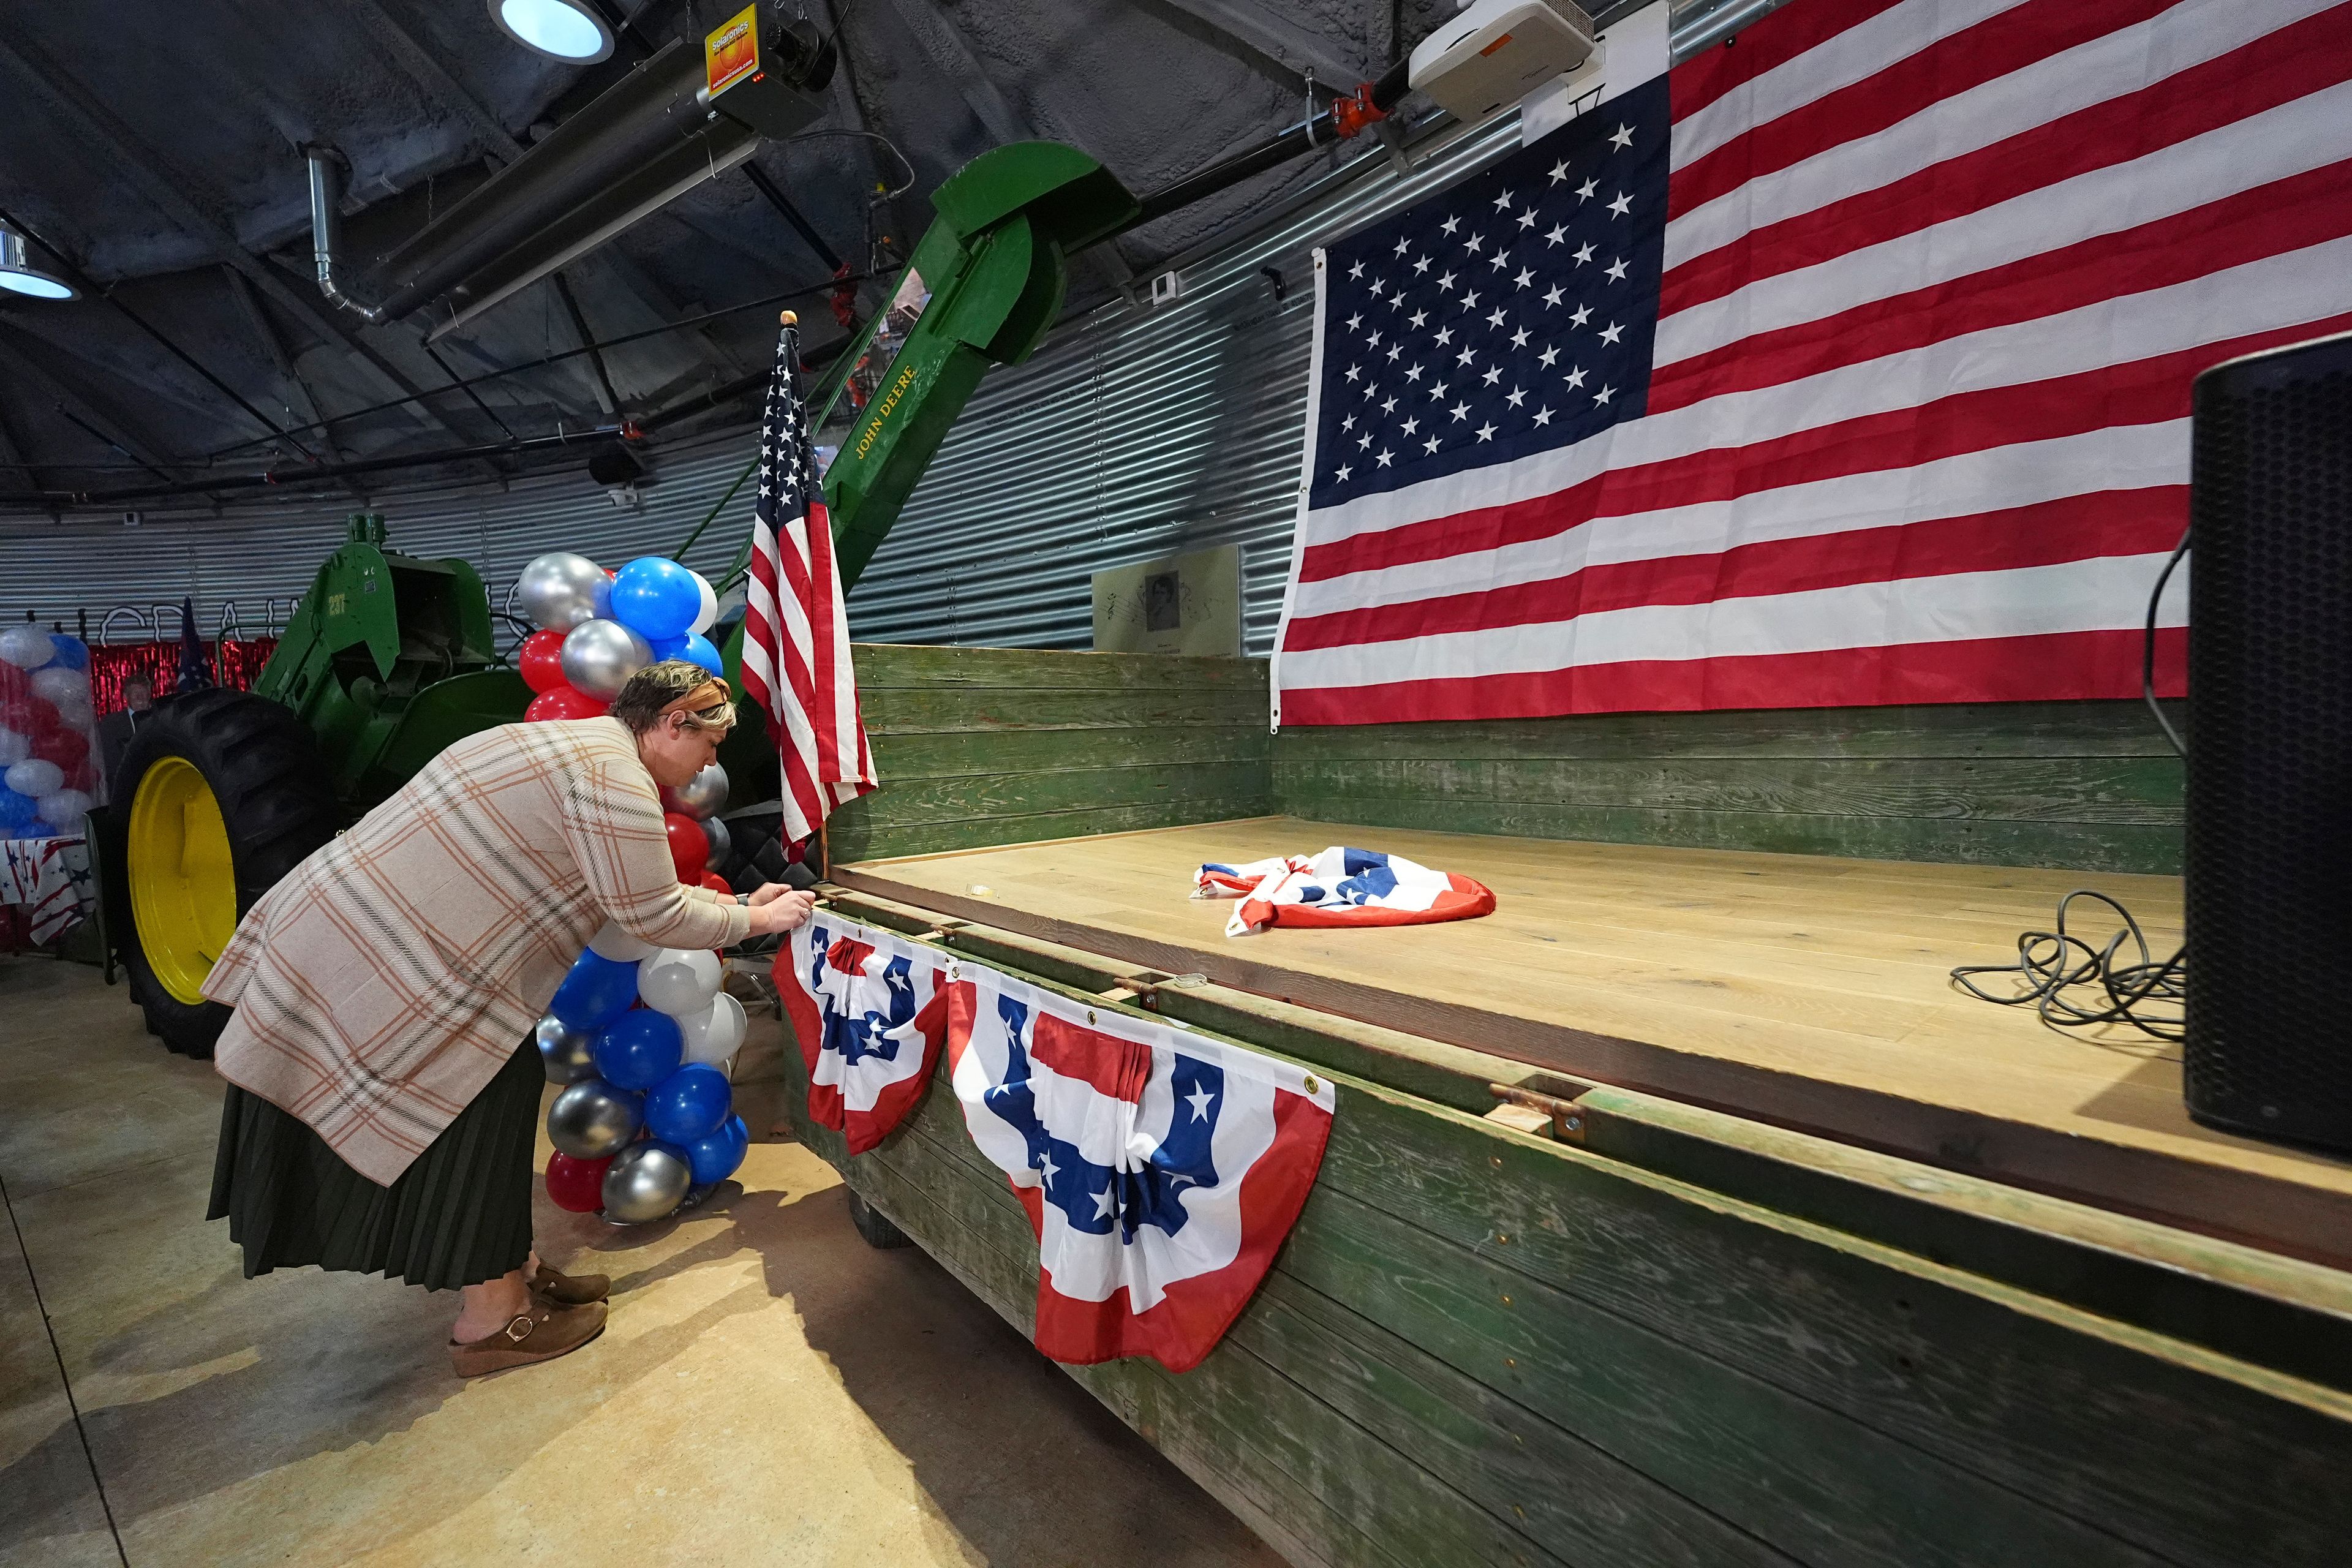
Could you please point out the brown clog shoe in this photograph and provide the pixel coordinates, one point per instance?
(544, 1333)
(569, 1289)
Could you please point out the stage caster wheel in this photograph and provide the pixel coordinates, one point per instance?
(874, 1226)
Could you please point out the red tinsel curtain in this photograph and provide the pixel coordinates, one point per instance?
(236, 663)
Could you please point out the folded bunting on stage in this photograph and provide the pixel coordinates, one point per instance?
(1849, 365)
(1161, 1170)
(1340, 886)
(796, 660)
(870, 1012)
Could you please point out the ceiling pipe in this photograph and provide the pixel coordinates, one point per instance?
(327, 228)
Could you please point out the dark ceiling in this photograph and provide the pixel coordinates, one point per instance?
(162, 157)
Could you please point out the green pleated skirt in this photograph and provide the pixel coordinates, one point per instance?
(459, 1216)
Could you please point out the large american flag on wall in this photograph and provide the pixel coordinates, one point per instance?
(796, 660)
(1847, 366)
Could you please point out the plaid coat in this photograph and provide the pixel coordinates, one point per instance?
(380, 986)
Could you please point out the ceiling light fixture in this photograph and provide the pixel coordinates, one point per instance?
(21, 277)
(568, 30)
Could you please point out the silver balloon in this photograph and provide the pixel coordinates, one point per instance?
(592, 1119)
(564, 1051)
(704, 796)
(561, 589)
(598, 656)
(722, 845)
(644, 1182)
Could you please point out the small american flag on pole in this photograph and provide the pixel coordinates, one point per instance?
(796, 662)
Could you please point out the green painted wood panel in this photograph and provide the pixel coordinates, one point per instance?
(1456, 1292)
(980, 746)
(2083, 784)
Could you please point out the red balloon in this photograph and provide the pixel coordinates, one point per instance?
(576, 1186)
(689, 847)
(540, 660)
(66, 748)
(717, 884)
(563, 703)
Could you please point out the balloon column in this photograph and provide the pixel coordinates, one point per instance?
(640, 1037)
(595, 630)
(48, 764)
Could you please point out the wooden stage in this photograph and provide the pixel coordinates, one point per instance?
(1800, 990)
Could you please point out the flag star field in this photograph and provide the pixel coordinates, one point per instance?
(1512, 314)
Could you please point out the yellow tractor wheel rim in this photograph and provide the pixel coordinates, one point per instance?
(183, 880)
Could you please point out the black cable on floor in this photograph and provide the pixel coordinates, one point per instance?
(64, 1381)
(2073, 984)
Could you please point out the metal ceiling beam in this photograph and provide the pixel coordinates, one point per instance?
(944, 46)
(425, 67)
(107, 424)
(607, 400)
(12, 454)
(166, 189)
(1265, 31)
(298, 400)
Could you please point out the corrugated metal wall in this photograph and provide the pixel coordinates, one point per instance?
(239, 562)
(1139, 433)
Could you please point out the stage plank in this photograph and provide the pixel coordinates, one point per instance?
(1802, 990)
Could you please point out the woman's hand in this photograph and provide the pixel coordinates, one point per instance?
(776, 908)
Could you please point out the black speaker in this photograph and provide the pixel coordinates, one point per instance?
(2269, 862)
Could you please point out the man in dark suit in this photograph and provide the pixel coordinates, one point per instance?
(114, 730)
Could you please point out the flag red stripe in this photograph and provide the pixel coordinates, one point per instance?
(823, 656)
(1771, 42)
(2060, 665)
(2277, 68)
(2142, 392)
(1112, 1064)
(2276, 219)
(1948, 67)
(2076, 528)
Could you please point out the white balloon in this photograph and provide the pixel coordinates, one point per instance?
(618, 945)
(707, 617)
(35, 777)
(63, 809)
(13, 748)
(714, 1035)
(722, 843)
(678, 981)
(77, 715)
(28, 647)
(59, 686)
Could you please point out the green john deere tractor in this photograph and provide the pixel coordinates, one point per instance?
(389, 659)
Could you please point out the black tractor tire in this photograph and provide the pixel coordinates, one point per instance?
(876, 1226)
(265, 772)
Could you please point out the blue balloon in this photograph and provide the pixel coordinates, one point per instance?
(597, 991)
(640, 1050)
(656, 597)
(72, 652)
(16, 811)
(690, 1103)
(715, 1157)
(695, 649)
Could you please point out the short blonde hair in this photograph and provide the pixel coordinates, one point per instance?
(656, 687)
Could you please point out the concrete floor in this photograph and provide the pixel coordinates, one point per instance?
(770, 1390)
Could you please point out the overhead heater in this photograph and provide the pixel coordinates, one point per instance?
(678, 117)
